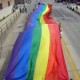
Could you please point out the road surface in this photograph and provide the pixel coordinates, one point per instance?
(70, 23)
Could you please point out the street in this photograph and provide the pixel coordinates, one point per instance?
(70, 23)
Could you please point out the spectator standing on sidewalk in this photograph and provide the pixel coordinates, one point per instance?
(20, 10)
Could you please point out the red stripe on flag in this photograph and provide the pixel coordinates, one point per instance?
(56, 69)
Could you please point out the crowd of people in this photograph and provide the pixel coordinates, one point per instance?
(22, 9)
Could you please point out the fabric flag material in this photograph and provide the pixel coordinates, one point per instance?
(37, 52)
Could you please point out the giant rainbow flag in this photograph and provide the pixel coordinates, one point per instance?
(37, 52)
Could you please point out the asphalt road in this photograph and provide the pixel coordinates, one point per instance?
(70, 23)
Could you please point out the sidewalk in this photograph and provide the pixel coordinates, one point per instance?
(6, 26)
(74, 7)
(8, 44)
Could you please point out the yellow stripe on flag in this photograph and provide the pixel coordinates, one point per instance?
(45, 9)
(42, 58)
(41, 18)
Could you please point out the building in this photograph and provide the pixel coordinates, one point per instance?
(6, 8)
(5, 3)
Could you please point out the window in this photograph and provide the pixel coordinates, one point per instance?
(8, 3)
(0, 5)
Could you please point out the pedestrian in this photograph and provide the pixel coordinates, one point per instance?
(20, 10)
(25, 9)
(60, 29)
(76, 8)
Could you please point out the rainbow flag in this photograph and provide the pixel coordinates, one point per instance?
(37, 52)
